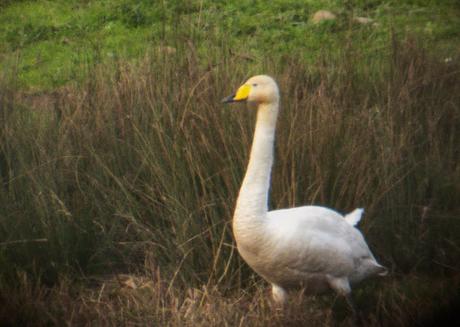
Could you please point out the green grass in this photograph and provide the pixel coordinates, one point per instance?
(49, 37)
(118, 176)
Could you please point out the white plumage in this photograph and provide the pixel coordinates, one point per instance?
(311, 247)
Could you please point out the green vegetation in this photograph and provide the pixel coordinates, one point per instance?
(49, 41)
(119, 167)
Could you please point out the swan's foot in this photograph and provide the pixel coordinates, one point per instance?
(279, 295)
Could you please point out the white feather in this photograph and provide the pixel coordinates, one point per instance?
(354, 217)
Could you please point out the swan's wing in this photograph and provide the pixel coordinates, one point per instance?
(315, 239)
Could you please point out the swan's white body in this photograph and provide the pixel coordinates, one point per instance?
(311, 247)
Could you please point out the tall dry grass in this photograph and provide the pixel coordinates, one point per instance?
(136, 172)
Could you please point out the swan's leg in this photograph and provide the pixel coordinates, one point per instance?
(342, 287)
(279, 295)
(352, 305)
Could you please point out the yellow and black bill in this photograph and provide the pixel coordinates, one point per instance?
(241, 95)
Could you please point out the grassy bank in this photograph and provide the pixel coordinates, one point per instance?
(48, 42)
(118, 177)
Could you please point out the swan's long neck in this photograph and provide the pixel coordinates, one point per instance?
(252, 204)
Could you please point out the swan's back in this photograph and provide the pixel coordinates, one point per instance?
(314, 220)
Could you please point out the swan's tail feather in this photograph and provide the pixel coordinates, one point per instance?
(354, 217)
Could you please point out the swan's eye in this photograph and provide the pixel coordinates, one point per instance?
(255, 84)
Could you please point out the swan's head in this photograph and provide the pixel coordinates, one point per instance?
(258, 89)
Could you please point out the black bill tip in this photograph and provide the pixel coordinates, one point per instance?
(228, 99)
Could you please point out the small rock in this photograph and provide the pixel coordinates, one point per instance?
(322, 15)
(363, 20)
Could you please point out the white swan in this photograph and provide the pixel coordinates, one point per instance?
(311, 247)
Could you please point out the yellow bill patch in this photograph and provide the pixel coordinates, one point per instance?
(242, 93)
